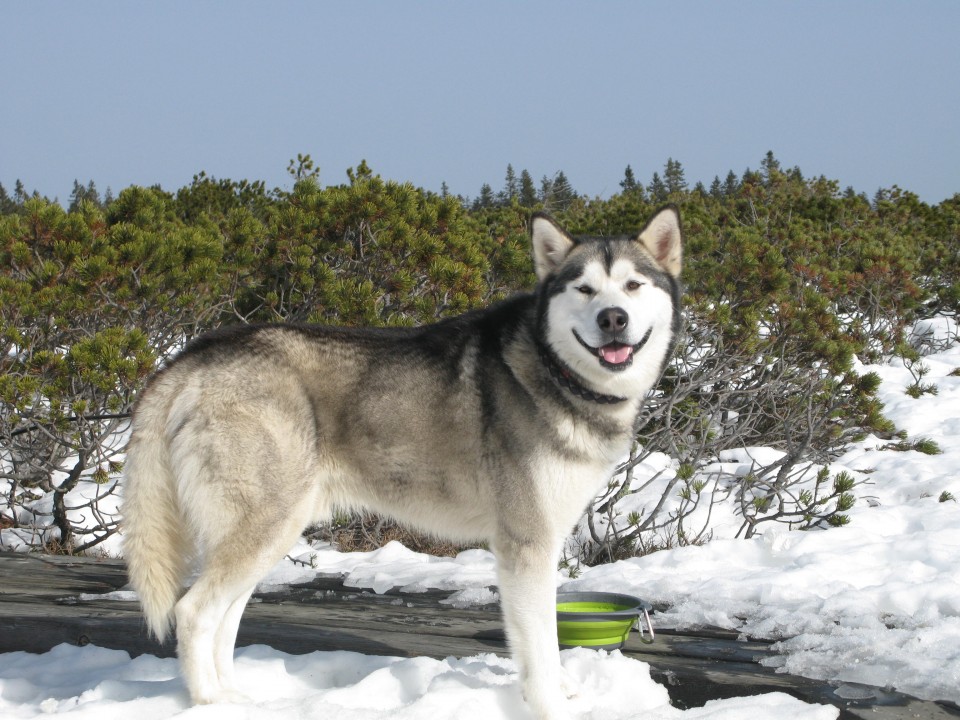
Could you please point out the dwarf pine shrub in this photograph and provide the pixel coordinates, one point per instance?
(788, 280)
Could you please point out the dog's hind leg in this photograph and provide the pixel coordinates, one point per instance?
(247, 487)
(208, 615)
(200, 614)
(226, 640)
(250, 523)
(207, 618)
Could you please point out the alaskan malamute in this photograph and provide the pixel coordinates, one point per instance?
(497, 425)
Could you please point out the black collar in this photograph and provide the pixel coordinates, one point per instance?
(566, 378)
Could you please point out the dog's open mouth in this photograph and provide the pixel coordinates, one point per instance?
(615, 355)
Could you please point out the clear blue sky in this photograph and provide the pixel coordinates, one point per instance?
(866, 92)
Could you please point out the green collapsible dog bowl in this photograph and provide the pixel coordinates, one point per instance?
(600, 620)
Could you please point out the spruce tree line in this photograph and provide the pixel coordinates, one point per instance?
(788, 280)
(554, 193)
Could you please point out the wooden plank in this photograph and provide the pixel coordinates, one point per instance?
(46, 576)
(40, 608)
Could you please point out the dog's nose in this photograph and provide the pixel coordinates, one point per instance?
(612, 320)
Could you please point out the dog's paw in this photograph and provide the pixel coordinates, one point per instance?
(568, 684)
(552, 706)
(554, 711)
(223, 695)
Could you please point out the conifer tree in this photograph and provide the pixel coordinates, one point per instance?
(83, 194)
(657, 188)
(7, 204)
(716, 189)
(561, 191)
(485, 199)
(673, 177)
(511, 187)
(361, 173)
(751, 177)
(770, 167)
(528, 192)
(89, 301)
(731, 185)
(629, 183)
(546, 189)
(303, 167)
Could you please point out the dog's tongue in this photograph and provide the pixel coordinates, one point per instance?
(615, 353)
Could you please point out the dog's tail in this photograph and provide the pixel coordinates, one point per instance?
(155, 541)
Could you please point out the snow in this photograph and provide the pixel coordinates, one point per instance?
(96, 684)
(876, 602)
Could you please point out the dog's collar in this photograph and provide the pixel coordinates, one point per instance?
(566, 378)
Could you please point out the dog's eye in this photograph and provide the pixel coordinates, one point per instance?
(634, 285)
(585, 289)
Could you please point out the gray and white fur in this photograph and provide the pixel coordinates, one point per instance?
(498, 425)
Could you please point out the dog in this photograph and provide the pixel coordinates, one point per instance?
(499, 425)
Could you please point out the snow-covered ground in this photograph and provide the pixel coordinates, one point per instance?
(875, 602)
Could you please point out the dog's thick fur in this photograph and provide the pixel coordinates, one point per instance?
(498, 425)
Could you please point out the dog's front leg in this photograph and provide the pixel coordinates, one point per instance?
(527, 582)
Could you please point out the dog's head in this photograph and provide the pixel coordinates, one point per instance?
(609, 307)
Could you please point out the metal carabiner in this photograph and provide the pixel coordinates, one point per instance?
(645, 632)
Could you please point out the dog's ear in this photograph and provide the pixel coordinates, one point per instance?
(661, 237)
(551, 243)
